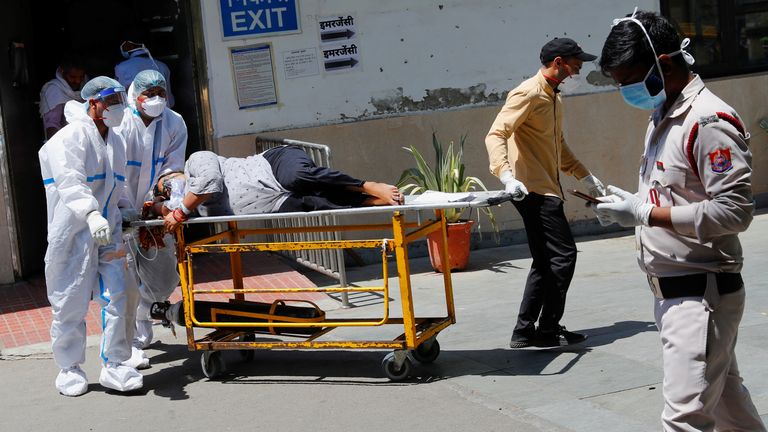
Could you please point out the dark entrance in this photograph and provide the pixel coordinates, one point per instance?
(35, 35)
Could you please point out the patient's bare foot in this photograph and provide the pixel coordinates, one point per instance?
(382, 194)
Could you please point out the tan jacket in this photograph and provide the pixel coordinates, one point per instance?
(705, 180)
(531, 120)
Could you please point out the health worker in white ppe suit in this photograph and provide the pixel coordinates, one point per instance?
(83, 169)
(156, 141)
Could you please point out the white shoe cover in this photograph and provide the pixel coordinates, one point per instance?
(72, 381)
(138, 360)
(122, 378)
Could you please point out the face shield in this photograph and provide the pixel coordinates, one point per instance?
(112, 96)
(114, 101)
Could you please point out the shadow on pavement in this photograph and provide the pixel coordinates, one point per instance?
(345, 367)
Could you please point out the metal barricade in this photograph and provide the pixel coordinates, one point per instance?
(327, 262)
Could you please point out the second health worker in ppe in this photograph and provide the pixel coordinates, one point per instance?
(156, 140)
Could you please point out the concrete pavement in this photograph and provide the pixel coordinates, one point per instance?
(611, 383)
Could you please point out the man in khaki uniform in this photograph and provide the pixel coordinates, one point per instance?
(694, 197)
(527, 151)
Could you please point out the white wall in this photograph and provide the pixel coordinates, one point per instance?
(465, 52)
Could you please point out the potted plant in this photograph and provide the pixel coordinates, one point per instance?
(446, 175)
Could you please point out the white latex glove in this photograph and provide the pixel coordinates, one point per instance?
(99, 228)
(513, 186)
(594, 186)
(129, 214)
(623, 208)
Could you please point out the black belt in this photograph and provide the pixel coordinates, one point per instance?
(694, 285)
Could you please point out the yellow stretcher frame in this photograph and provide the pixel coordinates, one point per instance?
(418, 340)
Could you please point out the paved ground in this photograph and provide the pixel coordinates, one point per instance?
(25, 314)
(612, 383)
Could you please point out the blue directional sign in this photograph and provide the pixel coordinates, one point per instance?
(254, 18)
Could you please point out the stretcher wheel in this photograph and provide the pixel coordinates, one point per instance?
(392, 371)
(212, 363)
(427, 352)
(248, 354)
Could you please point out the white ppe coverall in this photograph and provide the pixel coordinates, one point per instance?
(151, 151)
(82, 173)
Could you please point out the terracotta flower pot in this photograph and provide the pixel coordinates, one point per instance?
(458, 246)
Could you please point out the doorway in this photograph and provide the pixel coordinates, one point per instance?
(36, 35)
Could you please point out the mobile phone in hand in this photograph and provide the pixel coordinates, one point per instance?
(584, 196)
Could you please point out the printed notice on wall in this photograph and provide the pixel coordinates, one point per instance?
(300, 63)
(254, 76)
(339, 43)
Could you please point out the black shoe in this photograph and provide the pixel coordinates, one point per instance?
(560, 337)
(520, 341)
(157, 311)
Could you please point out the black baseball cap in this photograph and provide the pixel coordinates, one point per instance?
(563, 47)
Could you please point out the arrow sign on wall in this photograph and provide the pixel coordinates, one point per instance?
(329, 36)
(338, 64)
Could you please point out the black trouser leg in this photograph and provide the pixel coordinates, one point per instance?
(298, 173)
(312, 187)
(554, 260)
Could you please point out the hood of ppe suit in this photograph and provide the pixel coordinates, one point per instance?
(132, 95)
(75, 111)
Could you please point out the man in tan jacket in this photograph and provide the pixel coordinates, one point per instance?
(527, 151)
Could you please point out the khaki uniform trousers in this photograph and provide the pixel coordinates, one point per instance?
(702, 388)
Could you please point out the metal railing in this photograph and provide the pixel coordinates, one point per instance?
(327, 262)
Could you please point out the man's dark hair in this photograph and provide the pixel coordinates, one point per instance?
(627, 45)
(72, 60)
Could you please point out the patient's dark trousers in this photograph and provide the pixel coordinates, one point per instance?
(312, 187)
(554, 259)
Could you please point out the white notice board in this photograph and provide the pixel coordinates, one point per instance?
(300, 63)
(254, 76)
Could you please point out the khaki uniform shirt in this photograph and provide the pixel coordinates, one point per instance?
(709, 208)
(527, 139)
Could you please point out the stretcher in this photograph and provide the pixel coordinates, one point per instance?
(235, 324)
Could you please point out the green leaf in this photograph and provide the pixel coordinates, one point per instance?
(448, 174)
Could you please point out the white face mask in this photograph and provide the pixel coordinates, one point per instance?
(574, 85)
(177, 193)
(153, 106)
(113, 115)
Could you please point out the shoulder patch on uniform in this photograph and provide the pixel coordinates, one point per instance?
(705, 120)
(720, 160)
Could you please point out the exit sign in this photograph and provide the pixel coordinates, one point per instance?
(255, 18)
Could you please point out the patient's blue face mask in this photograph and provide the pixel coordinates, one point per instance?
(647, 94)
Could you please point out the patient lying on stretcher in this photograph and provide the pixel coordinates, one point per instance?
(282, 179)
